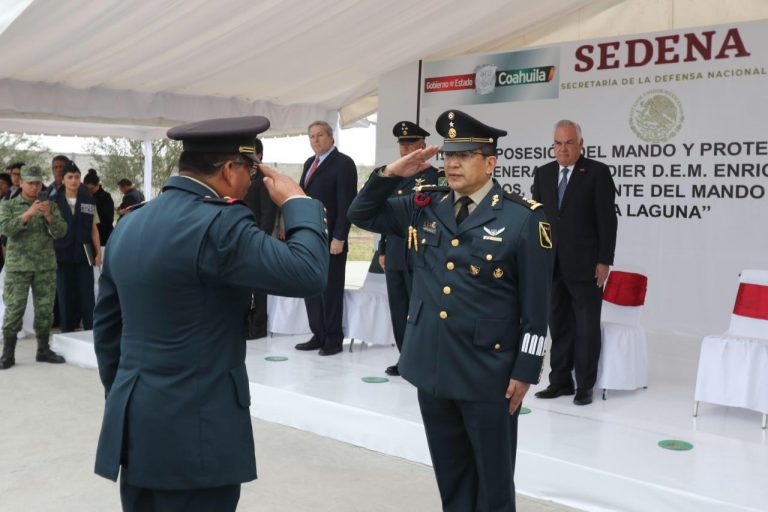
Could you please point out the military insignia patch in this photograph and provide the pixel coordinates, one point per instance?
(452, 133)
(495, 200)
(545, 235)
(474, 270)
(430, 226)
(420, 181)
(498, 273)
(492, 232)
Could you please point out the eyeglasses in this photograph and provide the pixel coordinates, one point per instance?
(251, 165)
(460, 155)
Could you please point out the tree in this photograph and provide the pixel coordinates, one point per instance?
(20, 148)
(124, 158)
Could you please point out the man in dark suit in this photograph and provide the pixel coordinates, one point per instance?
(477, 317)
(169, 321)
(579, 196)
(331, 177)
(265, 212)
(392, 256)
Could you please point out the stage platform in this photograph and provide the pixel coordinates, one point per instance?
(602, 457)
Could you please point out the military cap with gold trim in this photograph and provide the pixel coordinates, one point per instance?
(462, 132)
(406, 131)
(225, 135)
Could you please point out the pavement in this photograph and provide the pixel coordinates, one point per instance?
(50, 417)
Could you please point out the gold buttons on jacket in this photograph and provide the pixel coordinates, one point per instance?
(455, 242)
(489, 257)
(447, 290)
(443, 315)
(450, 265)
(423, 241)
(497, 346)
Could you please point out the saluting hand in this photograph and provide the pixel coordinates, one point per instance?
(411, 163)
(515, 393)
(279, 186)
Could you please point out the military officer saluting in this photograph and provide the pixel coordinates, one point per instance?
(478, 311)
(170, 320)
(392, 249)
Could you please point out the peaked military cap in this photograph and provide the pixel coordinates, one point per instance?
(406, 131)
(462, 132)
(225, 135)
(32, 174)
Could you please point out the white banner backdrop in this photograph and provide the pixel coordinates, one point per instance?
(679, 116)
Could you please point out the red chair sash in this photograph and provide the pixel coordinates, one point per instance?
(752, 301)
(625, 288)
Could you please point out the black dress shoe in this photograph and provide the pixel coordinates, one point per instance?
(329, 351)
(392, 370)
(583, 397)
(312, 344)
(554, 392)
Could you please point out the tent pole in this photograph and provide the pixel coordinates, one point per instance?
(147, 169)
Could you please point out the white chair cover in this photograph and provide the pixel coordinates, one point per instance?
(624, 355)
(733, 366)
(366, 312)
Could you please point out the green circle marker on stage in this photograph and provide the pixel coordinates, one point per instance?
(525, 410)
(275, 359)
(375, 380)
(673, 444)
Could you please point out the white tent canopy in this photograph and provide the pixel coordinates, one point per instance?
(133, 68)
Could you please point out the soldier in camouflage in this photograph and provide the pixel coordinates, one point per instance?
(31, 226)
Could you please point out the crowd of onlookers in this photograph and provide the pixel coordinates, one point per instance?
(51, 237)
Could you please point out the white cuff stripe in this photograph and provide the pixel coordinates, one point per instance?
(533, 344)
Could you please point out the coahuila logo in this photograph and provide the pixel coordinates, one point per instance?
(656, 116)
(487, 77)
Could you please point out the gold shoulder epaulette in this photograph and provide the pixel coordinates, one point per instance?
(524, 201)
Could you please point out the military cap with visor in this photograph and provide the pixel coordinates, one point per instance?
(406, 131)
(225, 135)
(462, 132)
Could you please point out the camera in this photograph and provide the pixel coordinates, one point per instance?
(42, 195)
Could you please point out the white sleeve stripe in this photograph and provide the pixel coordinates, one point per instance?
(535, 348)
(533, 344)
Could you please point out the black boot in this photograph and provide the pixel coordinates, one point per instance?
(9, 349)
(44, 352)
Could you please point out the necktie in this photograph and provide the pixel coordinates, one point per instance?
(464, 209)
(561, 186)
(311, 171)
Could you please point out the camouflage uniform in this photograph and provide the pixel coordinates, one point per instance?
(30, 260)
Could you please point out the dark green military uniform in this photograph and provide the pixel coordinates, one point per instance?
(170, 330)
(477, 318)
(30, 262)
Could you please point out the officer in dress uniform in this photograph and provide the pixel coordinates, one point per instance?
(392, 249)
(477, 317)
(170, 320)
